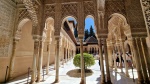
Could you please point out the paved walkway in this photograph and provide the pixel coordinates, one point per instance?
(116, 77)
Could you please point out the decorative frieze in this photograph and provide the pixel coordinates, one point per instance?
(6, 26)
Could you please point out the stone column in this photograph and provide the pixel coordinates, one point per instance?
(138, 65)
(146, 54)
(82, 63)
(40, 60)
(124, 57)
(12, 59)
(57, 60)
(114, 57)
(48, 58)
(110, 58)
(119, 53)
(35, 55)
(142, 61)
(106, 61)
(66, 55)
(101, 62)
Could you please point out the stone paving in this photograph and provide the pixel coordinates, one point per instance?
(116, 77)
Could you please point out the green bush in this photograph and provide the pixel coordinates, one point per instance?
(88, 59)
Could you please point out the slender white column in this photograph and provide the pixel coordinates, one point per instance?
(120, 61)
(124, 57)
(82, 63)
(57, 60)
(106, 61)
(101, 62)
(114, 57)
(40, 60)
(35, 54)
(48, 58)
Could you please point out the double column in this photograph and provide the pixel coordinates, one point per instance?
(35, 55)
(106, 62)
(83, 81)
(124, 57)
(101, 62)
(141, 58)
(40, 59)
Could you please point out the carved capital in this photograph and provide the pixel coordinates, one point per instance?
(36, 37)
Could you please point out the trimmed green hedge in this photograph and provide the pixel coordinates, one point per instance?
(88, 59)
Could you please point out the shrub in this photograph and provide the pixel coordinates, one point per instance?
(88, 59)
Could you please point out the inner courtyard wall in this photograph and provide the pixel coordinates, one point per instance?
(7, 18)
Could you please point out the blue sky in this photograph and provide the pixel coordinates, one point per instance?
(88, 22)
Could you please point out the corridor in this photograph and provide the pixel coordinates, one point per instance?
(116, 78)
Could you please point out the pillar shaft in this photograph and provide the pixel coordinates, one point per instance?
(12, 60)
(142, 61)
(101, 62)
(82, 63)
(124, 57)
(114, 57)
(106, 61)
(141, 58)
(35, 55)
(57, 60)
(110, 58)
(40, 60)
(146, 54)
(138, 65)
(119, 54)
(48, 58)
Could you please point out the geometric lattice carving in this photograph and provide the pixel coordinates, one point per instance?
(49, 11)
(135, 15)
(23, 14)
(146, 9)
(115, 7)
(6, 26)
(89, 8)
(69, 9)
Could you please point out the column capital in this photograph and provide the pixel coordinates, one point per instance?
(122, 40)
(57, 37)
(36, 37)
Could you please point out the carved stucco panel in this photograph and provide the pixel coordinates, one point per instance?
(146, 9)
(69, 9)
(23, 14)
(89, 8)
(49, 11)
(6, 26)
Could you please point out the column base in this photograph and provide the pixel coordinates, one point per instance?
(39, 79)
(56, 81)
(140, 81)
(127, 75)
(103, 82)
(147, 82)
(32, 82)
(109, 82)
(82, 81)
(10, 78)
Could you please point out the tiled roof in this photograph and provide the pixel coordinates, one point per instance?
(91, 40)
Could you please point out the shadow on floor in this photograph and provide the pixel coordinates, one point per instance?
(77, 73)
